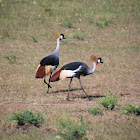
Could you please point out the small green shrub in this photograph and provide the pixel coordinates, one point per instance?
(67, 24)
(79, 36)
(102, 22)
(34, 39)
(70, 130)
(108, 101)
(28, 118)
(49, 11)
(11, 58)
(95, 110)
(131, 109)
(5, 34)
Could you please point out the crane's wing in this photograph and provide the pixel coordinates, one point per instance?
(50, 60)
(47, 65)
(63, 74)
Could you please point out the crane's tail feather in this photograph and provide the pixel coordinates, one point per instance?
(43, 70)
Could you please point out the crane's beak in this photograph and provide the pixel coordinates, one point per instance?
(64, 38)
(101, 60)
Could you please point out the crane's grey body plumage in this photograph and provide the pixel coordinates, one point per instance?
(75, 69)
(84, 70)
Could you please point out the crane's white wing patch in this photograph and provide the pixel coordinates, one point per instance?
(68, 73)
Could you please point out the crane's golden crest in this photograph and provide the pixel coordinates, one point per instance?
(55, 36)
(93, 58)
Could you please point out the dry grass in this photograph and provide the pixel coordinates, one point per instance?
(29, 38)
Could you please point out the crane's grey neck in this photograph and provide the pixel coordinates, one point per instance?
(90, 71)
(56, 52)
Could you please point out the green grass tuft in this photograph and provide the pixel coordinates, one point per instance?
(128, 109)
(70, 130)
(28, 118)
(49, 11)
(102, 22)
(95, 110)
(11, 58)
(34, 39)
(79, 36)
(67, 24)
(108, 102)
(5, 34)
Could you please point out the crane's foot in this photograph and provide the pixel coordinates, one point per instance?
(48, 88)
(89, 98)
(47, 91)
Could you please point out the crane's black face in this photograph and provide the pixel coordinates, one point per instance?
(99, 60)
(62, 37)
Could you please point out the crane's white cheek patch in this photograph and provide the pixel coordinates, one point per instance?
(65, 74)
(48, 69)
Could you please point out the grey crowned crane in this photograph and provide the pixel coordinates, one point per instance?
(75, 69)
(49, 63)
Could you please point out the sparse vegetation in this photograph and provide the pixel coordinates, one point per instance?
(108, 102)
(110, 30)
(102, 22)
(49, 11)
(28, 118)
(67, 24)
(70, 130)
(128, 109)
(5, 34)
(95, 110)
(11, 58)
(34, 39)
(79, 36)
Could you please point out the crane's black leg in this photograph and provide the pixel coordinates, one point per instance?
(83, 88)
(49, 83)
(69, 88)
(45, 81)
